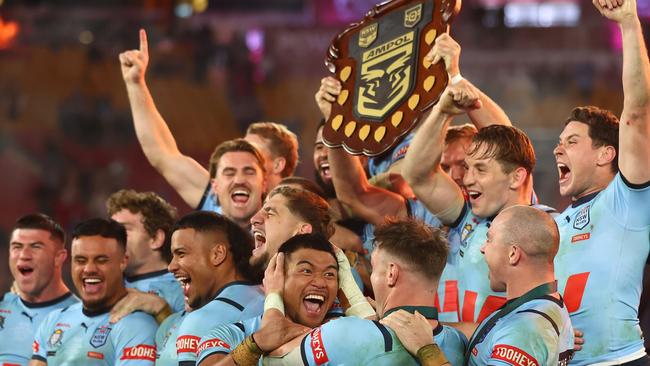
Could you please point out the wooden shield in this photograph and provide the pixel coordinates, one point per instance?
(386, 84)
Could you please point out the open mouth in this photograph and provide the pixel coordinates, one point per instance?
(240, 196)
(324, 168)
(564, 172)
(474, 195)
(260, 238)
(313, 303)
(185, 281)
(92, 285)
(25, 270)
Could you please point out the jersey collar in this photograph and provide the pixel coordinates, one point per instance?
(234, 283)
(145, 276)
(34, 305)
(428, 312)
(584, 199)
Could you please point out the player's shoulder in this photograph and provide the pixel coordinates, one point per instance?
(547, 314)
(450, 335)
(8, 298)
(348, 328)
(137, 320)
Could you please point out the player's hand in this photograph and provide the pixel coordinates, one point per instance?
(578, 340)
(276, 330)
(413, 330)
(274, 275)
(620, 11)
(137, 301)
(447, 49)
(134, 62)
(460, 98)
(329, 90)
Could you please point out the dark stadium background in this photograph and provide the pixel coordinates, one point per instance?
(66, 139)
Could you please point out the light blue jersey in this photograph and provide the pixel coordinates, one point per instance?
(381, 164)
(75, 337)
(209, 202)
(342, 341)
(535, 333)
(447, 296)
(161, 283)
(604, 245)
(166, 340)
(19, 321)
(476, 298)
(227, 307)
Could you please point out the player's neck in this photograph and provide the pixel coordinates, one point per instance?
(56, 290)
(413, 294)
(599, 183)
(156, 264)
(224, 279)
(524, 281)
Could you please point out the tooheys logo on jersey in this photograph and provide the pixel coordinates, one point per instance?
(317, 347)
(187, 344)
(387, 70)
(513, 355)
(140, 352)
(213, 343)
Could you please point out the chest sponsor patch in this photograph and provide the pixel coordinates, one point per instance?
(318, 348)
(100, 336)
(143, 352)
(95, 355)
(580, 237)
(513, 355)
(582, 218)
(187, 344)
(212, 343)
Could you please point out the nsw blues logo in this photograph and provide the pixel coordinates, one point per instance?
(100, 336)
(582, 218)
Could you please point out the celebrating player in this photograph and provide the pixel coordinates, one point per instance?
(36, 256)
(604, 166)
(82, 334)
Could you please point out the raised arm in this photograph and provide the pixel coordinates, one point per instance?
(352, 187)
(431, 185)
(634, 129)
(185, 174)
(447, 49)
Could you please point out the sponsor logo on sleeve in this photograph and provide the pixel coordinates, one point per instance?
(513, 355)
(212, 343)
(35, 347)
(143, 352)
(318, 348)
(187, 344)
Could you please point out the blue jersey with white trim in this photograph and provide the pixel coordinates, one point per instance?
(537, 333)
(209, 202)
(19, 321)
(227, 307)
(70, 337)
(161, 283)
(604, 245)
(476, 298)
(166, 340)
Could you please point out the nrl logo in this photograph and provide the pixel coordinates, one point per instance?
(386, 83)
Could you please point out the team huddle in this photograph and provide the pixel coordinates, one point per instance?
(435, 253)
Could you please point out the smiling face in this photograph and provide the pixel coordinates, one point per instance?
(191, 265)
(138, 239)
(97, 265)
(273, 225)
(34, 259)
(320, 159)
(576, 159)
(488, 186)
(310, 286)
(239, 183)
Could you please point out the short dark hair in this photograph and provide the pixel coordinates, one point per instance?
(157, 213)
(309, 206)
(236, 145)
(307, 241)
(455, 133)
(283, 142)
(603, 127)
(417, 244)
(240, 242)
(105, 228)
(508, 145)
(305, 183)
(43, 222)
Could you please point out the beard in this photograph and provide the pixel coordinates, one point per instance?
(328, 188)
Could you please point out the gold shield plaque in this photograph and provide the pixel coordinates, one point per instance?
(386, 83)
